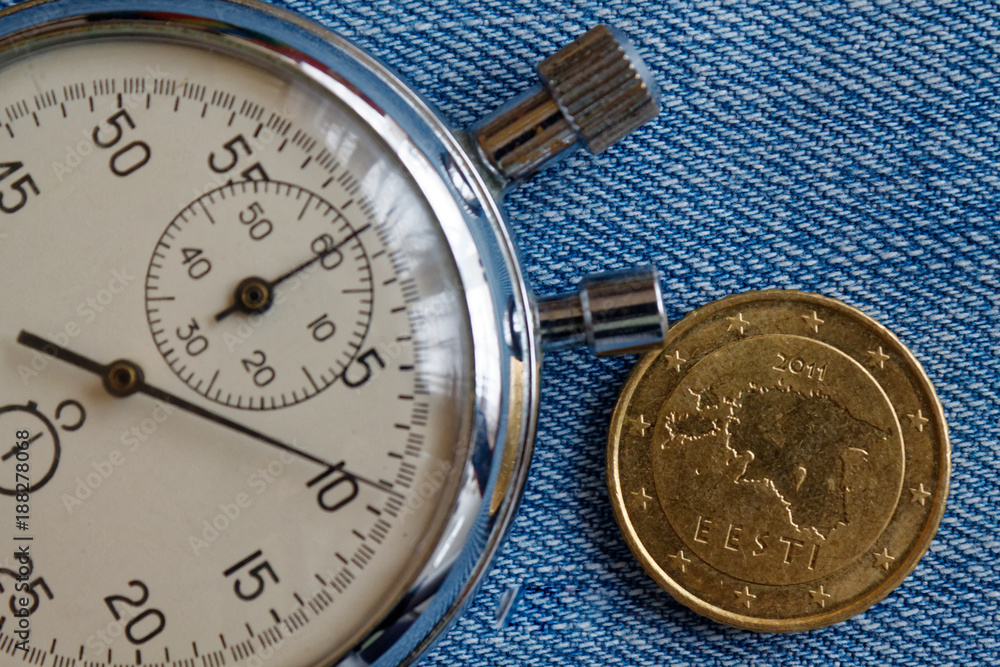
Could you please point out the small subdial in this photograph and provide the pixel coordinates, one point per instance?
(259, 294)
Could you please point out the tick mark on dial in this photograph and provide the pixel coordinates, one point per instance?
(210, 384)
(311, 380)
(305, 208)
(207, 214)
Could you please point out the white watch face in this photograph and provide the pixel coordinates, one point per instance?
(294, 342)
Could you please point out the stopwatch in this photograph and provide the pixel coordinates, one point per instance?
(270, 367)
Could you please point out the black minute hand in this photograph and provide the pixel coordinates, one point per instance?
(123, 378)
(255, 294)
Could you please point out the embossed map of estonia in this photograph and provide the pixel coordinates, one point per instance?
(771, 484)
(758, 462)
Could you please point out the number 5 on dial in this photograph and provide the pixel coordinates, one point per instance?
(255, 573)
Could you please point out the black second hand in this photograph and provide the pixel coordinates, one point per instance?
(47, 347)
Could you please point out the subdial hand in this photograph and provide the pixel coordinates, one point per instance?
(15, 449)
(256, 294)
(123, 378)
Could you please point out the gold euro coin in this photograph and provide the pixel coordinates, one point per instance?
(781, 463)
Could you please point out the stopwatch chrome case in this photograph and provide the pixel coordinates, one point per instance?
(593, 94)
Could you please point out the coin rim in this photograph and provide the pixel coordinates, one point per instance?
(927, 529)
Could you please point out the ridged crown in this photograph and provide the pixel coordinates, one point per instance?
(598, 88)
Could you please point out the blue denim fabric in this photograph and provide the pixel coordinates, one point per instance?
(849, 149)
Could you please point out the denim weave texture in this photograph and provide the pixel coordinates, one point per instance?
(844, 148)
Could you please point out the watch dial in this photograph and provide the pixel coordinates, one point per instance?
(281, 295)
